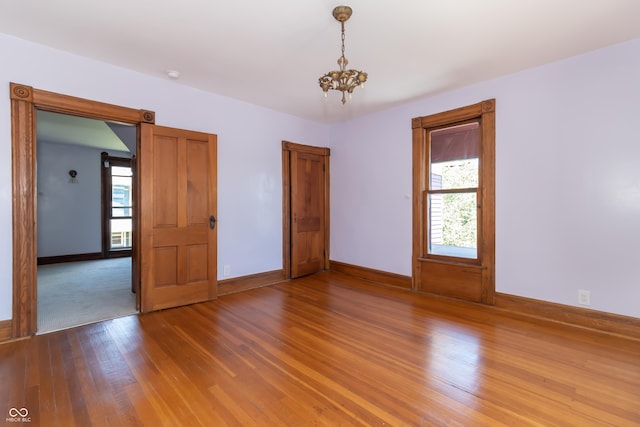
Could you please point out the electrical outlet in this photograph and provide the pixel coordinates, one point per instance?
(584, 297)
(226, 270)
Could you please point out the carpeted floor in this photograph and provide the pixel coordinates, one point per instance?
(77, 293)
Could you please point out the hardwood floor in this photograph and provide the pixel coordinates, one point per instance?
(323, 350)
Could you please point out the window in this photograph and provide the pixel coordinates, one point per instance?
(454, 203)
(117, 204)
(121, 207)
(452, 194)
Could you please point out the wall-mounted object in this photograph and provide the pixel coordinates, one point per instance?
(173, 74)
(73, 174)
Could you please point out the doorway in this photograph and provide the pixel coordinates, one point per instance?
(76, 283)
(166, 268)
(305, 209)
(25, 101)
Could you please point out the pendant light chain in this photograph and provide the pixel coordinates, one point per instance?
(344, 60)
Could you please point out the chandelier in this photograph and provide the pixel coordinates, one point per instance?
(343, 79)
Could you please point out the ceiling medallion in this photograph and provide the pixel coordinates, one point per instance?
(345, 80)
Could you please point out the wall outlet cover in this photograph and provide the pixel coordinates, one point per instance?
(584, 297)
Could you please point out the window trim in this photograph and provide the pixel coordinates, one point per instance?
(480, 272)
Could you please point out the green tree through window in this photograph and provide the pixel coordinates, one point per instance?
(459, 219)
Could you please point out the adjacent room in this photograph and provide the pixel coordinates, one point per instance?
(208, 220)
(84, 220)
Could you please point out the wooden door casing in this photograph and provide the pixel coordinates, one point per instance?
(178, 194)
(25, 100)
(306, 209)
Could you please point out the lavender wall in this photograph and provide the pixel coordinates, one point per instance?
(568, 181)
(69, 217)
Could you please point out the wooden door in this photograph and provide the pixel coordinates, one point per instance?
(178, 256)
(309, 209)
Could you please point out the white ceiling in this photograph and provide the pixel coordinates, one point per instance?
(73, 130)
(271, 53)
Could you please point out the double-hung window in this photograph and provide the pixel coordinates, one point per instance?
(454, 202)
(452, 193)
(117, 204)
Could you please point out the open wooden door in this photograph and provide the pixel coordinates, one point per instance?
(309, 201)
(178, 208)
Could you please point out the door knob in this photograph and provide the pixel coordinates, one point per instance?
(212, 222)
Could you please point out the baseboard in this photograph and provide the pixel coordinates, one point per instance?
(5, 330)
(625, 326)
(69, 258)
(252, 281)
(125, 253)
(610, 323)
(384, 277)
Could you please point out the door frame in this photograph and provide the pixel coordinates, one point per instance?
(287, 148)
(24, 102)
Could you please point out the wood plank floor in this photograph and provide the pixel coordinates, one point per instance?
(326, 350)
